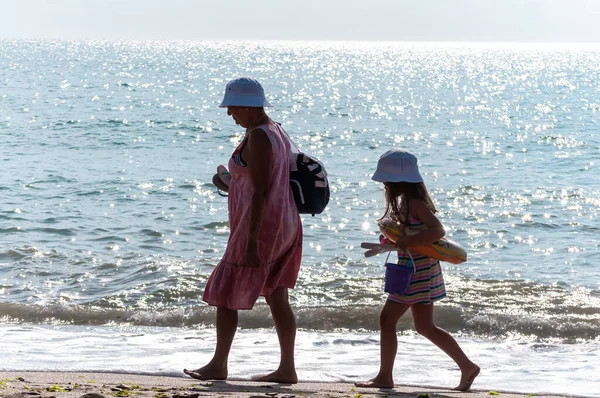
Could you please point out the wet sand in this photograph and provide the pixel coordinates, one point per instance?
(77, 384)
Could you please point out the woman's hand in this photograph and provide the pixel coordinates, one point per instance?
(224, 174)
(222, 179)
(216, 180)
(252, 256)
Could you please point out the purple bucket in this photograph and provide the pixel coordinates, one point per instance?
(397, 278)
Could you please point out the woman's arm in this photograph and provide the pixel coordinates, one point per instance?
(257, 154)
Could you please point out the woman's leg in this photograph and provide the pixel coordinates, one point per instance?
(423, 317)
(388, 319)
(285, 324)
(216, 369)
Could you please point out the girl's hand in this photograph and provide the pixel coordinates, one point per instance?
(376, 248)
(384, 241)
(252, 256)
(401, 242)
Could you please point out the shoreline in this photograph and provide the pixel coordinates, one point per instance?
(77, 384)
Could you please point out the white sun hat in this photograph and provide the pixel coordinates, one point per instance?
(244, 91)
(397, 165)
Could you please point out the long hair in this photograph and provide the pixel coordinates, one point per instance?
(399, 194)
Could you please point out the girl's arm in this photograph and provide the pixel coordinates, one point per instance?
(257, 154)
(434, 232)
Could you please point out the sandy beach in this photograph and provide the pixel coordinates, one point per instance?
(67, 385)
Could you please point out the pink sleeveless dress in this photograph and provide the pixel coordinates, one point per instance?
(233, 285)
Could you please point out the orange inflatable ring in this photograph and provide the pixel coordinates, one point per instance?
(443, 250)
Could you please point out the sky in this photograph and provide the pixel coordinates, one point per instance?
(391, 20)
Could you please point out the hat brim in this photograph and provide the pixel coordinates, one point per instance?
(249, 102)
(382, 176)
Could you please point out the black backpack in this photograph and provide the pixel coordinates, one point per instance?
(308, 181)
(309, 184)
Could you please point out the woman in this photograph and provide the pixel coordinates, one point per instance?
(264, 249)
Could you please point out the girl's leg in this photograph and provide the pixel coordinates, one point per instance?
(388, 319)
(216, 369)
(423, 318)
(285, 324)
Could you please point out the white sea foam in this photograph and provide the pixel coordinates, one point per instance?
(509, 365)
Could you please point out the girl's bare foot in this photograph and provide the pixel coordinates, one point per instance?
(468, 376)
(279, 376)
(207, 372)
(377, 382)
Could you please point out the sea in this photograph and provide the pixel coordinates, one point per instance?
(110, 225)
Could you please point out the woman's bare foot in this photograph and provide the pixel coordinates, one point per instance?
(279, 376)
(207, 372)
(467, 377)
(377, 382)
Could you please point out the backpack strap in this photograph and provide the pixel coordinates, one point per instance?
(295, 151)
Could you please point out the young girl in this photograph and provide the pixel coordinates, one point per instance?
(408, 203)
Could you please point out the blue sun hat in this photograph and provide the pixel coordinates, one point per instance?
(397, 165)
(244, 91)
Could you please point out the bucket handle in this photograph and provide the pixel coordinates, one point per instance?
(409, 255)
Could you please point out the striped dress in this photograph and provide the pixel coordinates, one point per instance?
(427, 284)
